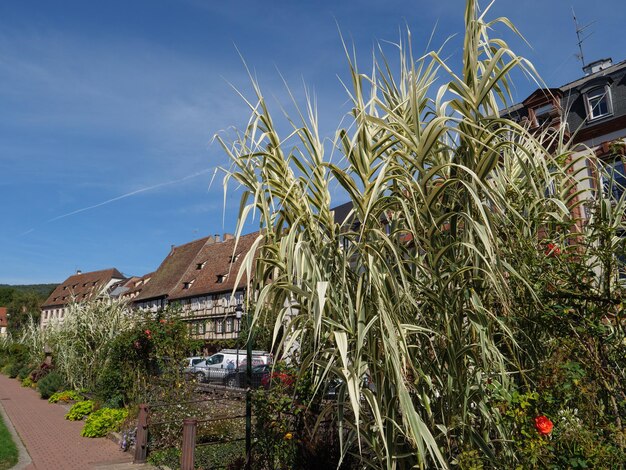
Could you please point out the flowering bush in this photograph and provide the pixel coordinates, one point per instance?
(66, 396)
(150, 351)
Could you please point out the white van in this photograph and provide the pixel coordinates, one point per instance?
(219, 364)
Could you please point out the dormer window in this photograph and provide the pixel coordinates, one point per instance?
(598, 103)
(200, 265)
(542, 114)
(233, 258)
(221, 278)
(187, 285)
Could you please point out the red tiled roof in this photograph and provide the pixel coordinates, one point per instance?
(3, 317)
(136, 284)
(171, 270)
(81, 287)
(215, 268)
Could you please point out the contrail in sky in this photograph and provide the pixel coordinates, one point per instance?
(123, 196)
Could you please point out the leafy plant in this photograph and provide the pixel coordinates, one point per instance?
(101, 422)
(229, 455)
(27, 382)
(40, 372)
(462, 235)
(66, 396)
(79, 410)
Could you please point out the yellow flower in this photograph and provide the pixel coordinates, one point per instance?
(288, 436)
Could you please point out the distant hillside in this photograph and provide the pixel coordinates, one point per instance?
(42, 290)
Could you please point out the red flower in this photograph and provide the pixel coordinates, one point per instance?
(552, 250)
(543, 425)
(148, 333)
(163, 320)
(281, 378)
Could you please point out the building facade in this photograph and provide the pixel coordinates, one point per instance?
(590, 112)
(200, 277)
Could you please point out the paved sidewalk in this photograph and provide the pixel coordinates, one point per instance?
(53, 442)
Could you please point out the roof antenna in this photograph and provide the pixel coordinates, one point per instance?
(581, 38)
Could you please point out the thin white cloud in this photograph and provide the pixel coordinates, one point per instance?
(127, 195)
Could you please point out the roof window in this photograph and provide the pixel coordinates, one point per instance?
(200, 265)
(598, 102)
(542, 114)
(187, 285)
(221, 278)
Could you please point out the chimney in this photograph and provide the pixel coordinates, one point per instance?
(597, 66)
(78, 271)
(228, 236)
(217, 238)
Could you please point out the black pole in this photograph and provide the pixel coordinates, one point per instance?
(249, 395)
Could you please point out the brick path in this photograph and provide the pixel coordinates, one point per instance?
(53, 442)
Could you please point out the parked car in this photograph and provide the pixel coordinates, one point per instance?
(192, 367)
(237, 378)
(216, 367)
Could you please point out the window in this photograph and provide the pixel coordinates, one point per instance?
(542, 114)
(233, 258)
(187, 285)
(200, 265)
(614, 178)
(229, 325)
(599, 103)
(221, 278)
(215, 359)
(219, 326)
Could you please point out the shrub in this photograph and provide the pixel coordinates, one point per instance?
(229, 455)
(51, 383)
(27, 382)
(6, 369)
(79, 410)
(40, 372)
(24, 372)
(15, 368)
(103, 421)
(66, 396)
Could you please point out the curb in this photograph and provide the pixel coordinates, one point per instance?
(23, 457)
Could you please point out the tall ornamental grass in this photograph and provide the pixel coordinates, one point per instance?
(418, 289)
(81, 342)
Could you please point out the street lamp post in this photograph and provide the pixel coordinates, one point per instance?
(239, 311)
(238, 314)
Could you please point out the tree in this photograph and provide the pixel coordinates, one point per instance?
(23, 304)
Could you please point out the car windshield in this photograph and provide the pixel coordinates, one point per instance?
(217, 359)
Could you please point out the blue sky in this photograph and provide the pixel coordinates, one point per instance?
(102, 99)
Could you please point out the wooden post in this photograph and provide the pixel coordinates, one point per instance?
(187, 458)
(141, 440)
